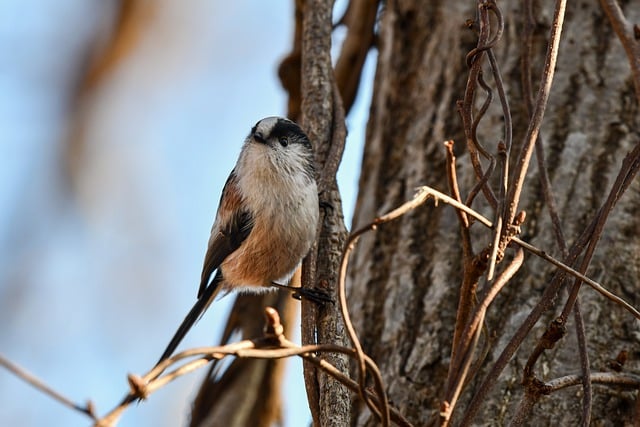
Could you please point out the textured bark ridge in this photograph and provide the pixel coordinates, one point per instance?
(323, 120)
(404, 279)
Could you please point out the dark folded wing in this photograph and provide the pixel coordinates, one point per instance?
(233, 225)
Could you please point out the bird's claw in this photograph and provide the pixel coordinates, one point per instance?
(314, 294)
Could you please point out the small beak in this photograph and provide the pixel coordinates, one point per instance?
(259, 137)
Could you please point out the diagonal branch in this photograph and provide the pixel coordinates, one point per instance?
(31, 379)
(628, 36)
(439, 196)
(522, 163)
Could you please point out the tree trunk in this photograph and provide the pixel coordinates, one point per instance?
(404, 280)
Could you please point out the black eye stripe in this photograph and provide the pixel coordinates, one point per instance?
(284, 128)
(289, 130)
(284, 131)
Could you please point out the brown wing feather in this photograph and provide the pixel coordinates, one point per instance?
(232, 226)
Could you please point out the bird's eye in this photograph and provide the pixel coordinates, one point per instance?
(284, 141)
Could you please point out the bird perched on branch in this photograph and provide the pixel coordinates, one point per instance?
(266, 220)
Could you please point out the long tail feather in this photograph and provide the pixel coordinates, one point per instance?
(193, 316)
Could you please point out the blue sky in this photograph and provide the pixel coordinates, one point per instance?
(98, 267)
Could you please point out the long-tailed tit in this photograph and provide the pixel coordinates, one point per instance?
(266, 220)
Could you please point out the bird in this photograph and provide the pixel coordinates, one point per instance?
(266, 220)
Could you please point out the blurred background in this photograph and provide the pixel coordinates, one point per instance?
(113, 153)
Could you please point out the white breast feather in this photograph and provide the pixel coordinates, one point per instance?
(284, 201)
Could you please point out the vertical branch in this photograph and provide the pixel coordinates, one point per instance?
(522, 164)
(525, 67)
(461, 363)
(525, 70)
(584, 366)
(323, 120)
(289, 70)
(360, 19)
(471, 270)
(629, 37)
(315, 99)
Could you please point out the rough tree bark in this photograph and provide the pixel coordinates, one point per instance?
(323, 120)
(404, 279)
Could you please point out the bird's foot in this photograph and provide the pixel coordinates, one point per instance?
(317, 295)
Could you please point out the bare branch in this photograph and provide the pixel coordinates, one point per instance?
(595, 285)
(471, 272)
(630, 42)
(587, 397)
(34, 381)
(605, 378)
(628, 170)
(426, 192)
(273, 345)
(522, 164)
(419, 198)
(360, 19)
(525, 69)
(323, 120)
(631, 381)
(461, 363)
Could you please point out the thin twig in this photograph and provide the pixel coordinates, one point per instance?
(460, 365)
(628, 170)
(34, 381)
(452, 178)
(595, 285)
(480, 114)
(439, 196)
(273, 345)
(605, 378)
(522, 163)
(525, 70)
(587, 398)
(625, 380)
(419, 198)
(625, 32)
(545, 303)
(471, 273)
(481, 185)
